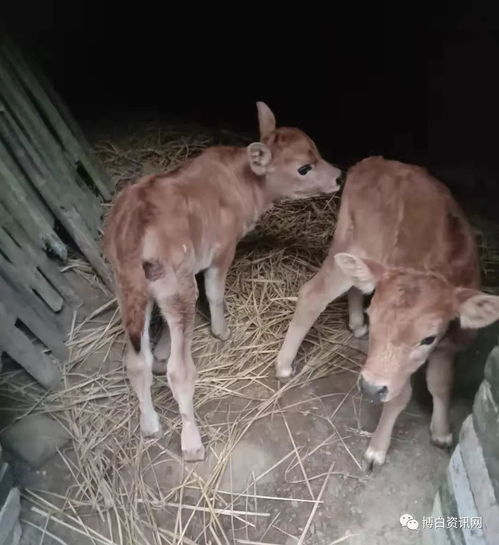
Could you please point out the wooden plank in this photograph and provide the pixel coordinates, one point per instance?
(68, 214)
(38, 257)
(23, 201)
(32, 300)
(479, 479)
(49, 335)
(436, 536)
(58, 114)
(25, 119)
(19, 347)
(486, 426)
(46, 182)
(463, 497)
(492, 373)
(88, 246)
(13, 169)
(60, 118)
(19, 268)
(23, 283)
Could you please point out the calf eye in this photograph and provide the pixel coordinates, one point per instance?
(304, 169)
(428, 340)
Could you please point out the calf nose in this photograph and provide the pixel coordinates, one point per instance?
(373, 391)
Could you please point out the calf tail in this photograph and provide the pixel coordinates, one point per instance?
(135, 299)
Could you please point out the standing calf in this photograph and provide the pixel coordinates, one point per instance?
(401, 234)
(166, 228)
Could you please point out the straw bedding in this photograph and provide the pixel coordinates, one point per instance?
(118, 493)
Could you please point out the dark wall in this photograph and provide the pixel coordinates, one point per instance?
(414, 81)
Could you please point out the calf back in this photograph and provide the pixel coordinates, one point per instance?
(400, 216)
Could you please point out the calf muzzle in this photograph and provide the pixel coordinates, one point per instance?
(375, 392)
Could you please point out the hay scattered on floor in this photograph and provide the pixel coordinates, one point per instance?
(154, 147)
(117, 494)
(112, 465)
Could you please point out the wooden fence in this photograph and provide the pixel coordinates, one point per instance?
(51, 193)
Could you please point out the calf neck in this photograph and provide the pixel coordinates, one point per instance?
(166, 228)
(400, 234)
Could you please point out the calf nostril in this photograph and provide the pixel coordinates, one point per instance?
(382, 392)
(372, 390)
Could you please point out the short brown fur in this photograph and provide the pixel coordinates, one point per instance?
(166, 228)
(399, 233)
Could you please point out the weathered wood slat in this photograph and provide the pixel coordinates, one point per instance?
(27, 192)
(65, 212)
(486, 425)
(50, 335)
(19, 197)
(26, 119)
(22, 150)
(59, 117)
(21, 349)
(26, 294)
(21, 282)
(37, 258)
(479, 478)
(19, 268)
(50, 181)
(88, 246)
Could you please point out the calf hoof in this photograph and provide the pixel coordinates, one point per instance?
(150, 426)
(360, 332)
(159, 366)
(194, 455)
(373, 460)
(442, 441)
(223, 335)
(283, 372)
(192, 446)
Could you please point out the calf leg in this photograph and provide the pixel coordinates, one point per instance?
(139, 371)
(439, 377)
(179, 311)
(356, 321)
(380, 442)
(215, 278)
(328, 284)
(162, 350)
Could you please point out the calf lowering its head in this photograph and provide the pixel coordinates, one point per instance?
(401, 235)
(411, 313)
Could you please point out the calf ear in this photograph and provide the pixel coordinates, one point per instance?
(476, 309)
(266, 120)
(259, 156)
(364, 273)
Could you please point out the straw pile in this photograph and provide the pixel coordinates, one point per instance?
(127, 490)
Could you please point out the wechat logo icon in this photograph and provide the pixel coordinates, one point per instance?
(408, 521)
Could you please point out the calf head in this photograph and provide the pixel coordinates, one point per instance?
(409, 314)
(290, 161)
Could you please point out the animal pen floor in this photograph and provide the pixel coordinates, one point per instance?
(284, 460)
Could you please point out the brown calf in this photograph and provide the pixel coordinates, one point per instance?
(401, 233)
(166, 228)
